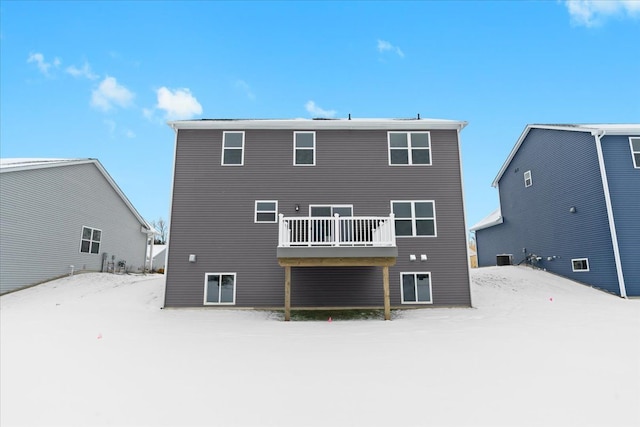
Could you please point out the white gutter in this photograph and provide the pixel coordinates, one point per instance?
(607, 197)
(464, 216)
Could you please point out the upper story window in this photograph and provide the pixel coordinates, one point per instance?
(580, 264)
(635, 151)
(304, 148)
(90, 242)
(528, 182)
(414, 218)
(266, 211)
(409, 148)
(233, 148)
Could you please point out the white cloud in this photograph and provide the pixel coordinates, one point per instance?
(111, 125)
(110, 93)
(177, 104)
(316, 111)
(43, 65)
(244, 86)
(591, 13)
(385, 46)
(85, 71)
(129, 133)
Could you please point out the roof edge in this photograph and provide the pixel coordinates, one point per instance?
(317, 124)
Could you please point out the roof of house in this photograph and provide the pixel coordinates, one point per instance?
(494, 218)
(594, 129)
(21, 164)
(314, 124)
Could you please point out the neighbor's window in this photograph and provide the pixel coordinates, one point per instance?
(580, 264)
(304, 152)
(233, 148)
(416, 288)
(527, 179)
(266, 211)
(635, 151)
(414, 218)
(409, 148)
(90, 242)
(219, 288)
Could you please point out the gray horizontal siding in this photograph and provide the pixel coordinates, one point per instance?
(565, 173)
(213, 208)
(624, 187)
(41, 218)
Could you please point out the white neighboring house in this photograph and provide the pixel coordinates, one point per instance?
(59, 216)
(158, 256)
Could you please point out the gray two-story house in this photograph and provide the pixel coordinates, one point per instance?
(570, 203)
(340, 213)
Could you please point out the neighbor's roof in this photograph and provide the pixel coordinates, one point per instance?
(494, 218)
(594, 129)
(314, 124)
(21, 164)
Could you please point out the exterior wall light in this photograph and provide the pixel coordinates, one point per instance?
(297, 207)
(192, 258)
(423, 257)
(412, 257)
(573, 209)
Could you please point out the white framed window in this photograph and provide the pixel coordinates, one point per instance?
(409, 148)
(232, 148)
(416, 288)
(90, 240)
(304, 148)
(528, 182)
(414, 218)
(219, 288)
(580, 264)
(266, 211)
(635, 151)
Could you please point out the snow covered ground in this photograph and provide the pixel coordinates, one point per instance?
(536, 350)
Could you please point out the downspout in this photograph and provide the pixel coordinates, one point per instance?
(607, 198)
(464, 213)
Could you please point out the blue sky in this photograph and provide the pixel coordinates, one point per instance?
(100, 79)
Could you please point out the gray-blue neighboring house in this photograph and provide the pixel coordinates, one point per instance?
(317, 213)
(59, 216)
(570, 203)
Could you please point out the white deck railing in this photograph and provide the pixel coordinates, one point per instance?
(336, 231)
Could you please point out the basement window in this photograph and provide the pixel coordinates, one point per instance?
(219, 288)
(90, 241)
(416, 288)
(580, 264)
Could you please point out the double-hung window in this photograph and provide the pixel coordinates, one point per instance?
(219, 288)
(635, 151)
(409, 148)
(304, 148)
(416, 288)
(90, 241)
(266, 211)
(233, 148)
(414, 218)
(528, 181)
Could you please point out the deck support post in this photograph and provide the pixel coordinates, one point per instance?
(385, 285)
(287, 293)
